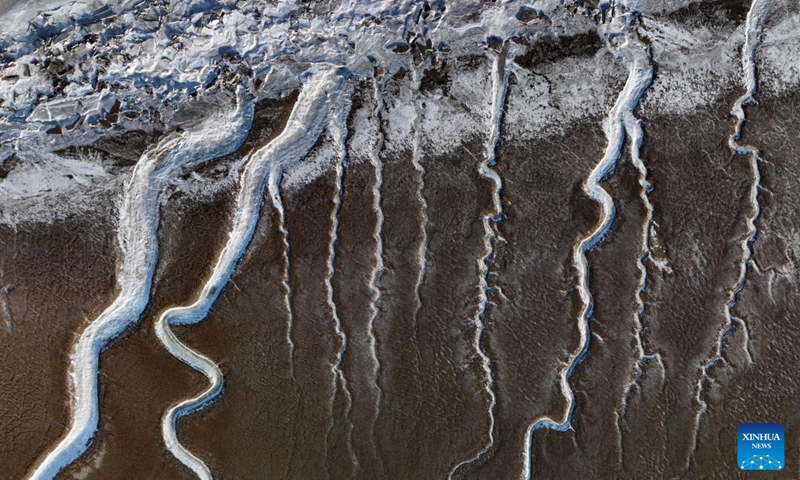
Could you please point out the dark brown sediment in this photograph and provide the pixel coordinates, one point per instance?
(432, 383)
(255, 426)
(455, 412)
(246, 332)
(47, 294)
(550, 49)
(690, 164)
(54, 278)
(308, 214)
(457, 401)
(712, 11)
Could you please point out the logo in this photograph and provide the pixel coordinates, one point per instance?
(760, 446)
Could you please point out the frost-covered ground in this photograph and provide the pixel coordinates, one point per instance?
(76, 72)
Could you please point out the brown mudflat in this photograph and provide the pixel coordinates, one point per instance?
(403, 392)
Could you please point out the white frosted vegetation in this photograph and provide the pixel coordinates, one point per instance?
(49, 173)
(33, 191)
(547, 99)
(137, 238)
(399, 116)
(304, 126)
(449, 121)
(697, 60)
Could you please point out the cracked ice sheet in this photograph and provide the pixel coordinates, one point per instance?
(143, 90)
(138, 37)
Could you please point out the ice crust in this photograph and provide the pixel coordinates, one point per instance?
(73, 72)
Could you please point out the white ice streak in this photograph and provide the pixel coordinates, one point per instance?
(50, 173)
(137, 236)
(635, 133)
(150, 63)
(753, 32)
(752, 41)
(639, 78)
(377, 235)
(274, 189)
(500, 71)
(337, 127)
(298, 137)
(416, 162)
